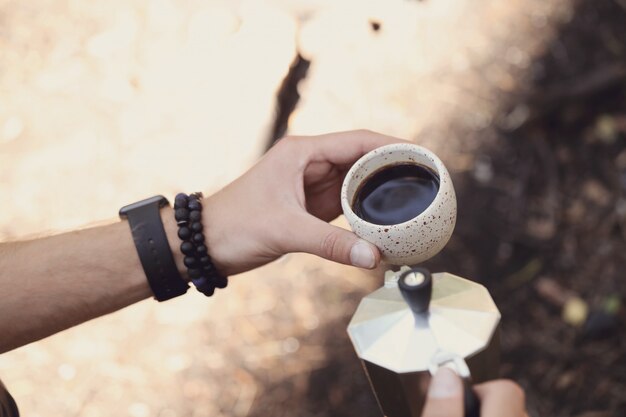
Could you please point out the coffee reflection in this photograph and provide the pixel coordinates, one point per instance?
(395, 194)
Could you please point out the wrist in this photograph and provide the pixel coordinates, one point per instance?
(236, 239)
(213, 236)
(148, 231)
(201, 270)
(171, 231)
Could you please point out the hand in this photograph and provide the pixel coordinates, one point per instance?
(497, 398)
(284, 202)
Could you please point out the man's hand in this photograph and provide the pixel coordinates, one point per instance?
(281, 205)
(284, 202)
(497, 398)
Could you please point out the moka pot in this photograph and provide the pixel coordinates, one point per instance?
(417, 322)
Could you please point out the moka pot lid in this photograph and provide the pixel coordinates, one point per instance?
(386, 330)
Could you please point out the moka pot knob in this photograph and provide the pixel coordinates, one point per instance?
(416, 286)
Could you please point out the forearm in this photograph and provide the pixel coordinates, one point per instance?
(281, 205)
(50, 284)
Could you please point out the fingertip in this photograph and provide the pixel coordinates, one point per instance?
(445, 395)
(364, 255)
(445, 384)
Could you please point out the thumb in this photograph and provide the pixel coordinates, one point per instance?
(445, 395)
(334, 243)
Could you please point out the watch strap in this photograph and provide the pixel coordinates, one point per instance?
(155, 254)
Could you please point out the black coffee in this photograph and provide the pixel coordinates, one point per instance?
(395, 194)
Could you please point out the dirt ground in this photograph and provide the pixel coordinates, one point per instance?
(546, 222)
(525, 101)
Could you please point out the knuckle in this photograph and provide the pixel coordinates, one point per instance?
(330, 246)
(283, 143)
(294, 150)
(289, 144)
(289, 141)
(364, 132)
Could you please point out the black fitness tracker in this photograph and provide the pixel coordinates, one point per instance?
(154, 251)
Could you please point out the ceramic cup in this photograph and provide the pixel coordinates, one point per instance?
(415, 240)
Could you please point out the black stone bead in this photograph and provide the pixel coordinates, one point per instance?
(181, 200)
(181, 214)
(187, 248)
(209, 268)
(208, 290)
(194, 273)
(197, 237)
(184, 233)
(195, 215)
(220, 281)
(194, 204)
(200, 282)
(196, 227)
(201, 249)
(204, 285)
(205, 260)
(190, 261)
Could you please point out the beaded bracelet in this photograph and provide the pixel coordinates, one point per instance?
(202, 272)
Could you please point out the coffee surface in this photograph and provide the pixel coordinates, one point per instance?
(396, 194)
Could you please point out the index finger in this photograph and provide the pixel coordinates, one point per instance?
(343, 148)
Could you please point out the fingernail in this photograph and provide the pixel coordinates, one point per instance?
(445, 384)
(361, 255)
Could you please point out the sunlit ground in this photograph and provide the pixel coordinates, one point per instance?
(104, 103)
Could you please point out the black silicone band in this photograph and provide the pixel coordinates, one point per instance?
(154, 251)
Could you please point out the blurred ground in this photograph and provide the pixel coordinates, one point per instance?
(105, 103)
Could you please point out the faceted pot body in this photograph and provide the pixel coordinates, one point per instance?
(404, 394)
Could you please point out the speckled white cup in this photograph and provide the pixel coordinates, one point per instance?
(415, 240)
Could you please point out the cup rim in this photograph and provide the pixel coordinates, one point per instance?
(440, 168)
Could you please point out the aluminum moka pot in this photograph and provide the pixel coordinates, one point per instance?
(417, 322)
